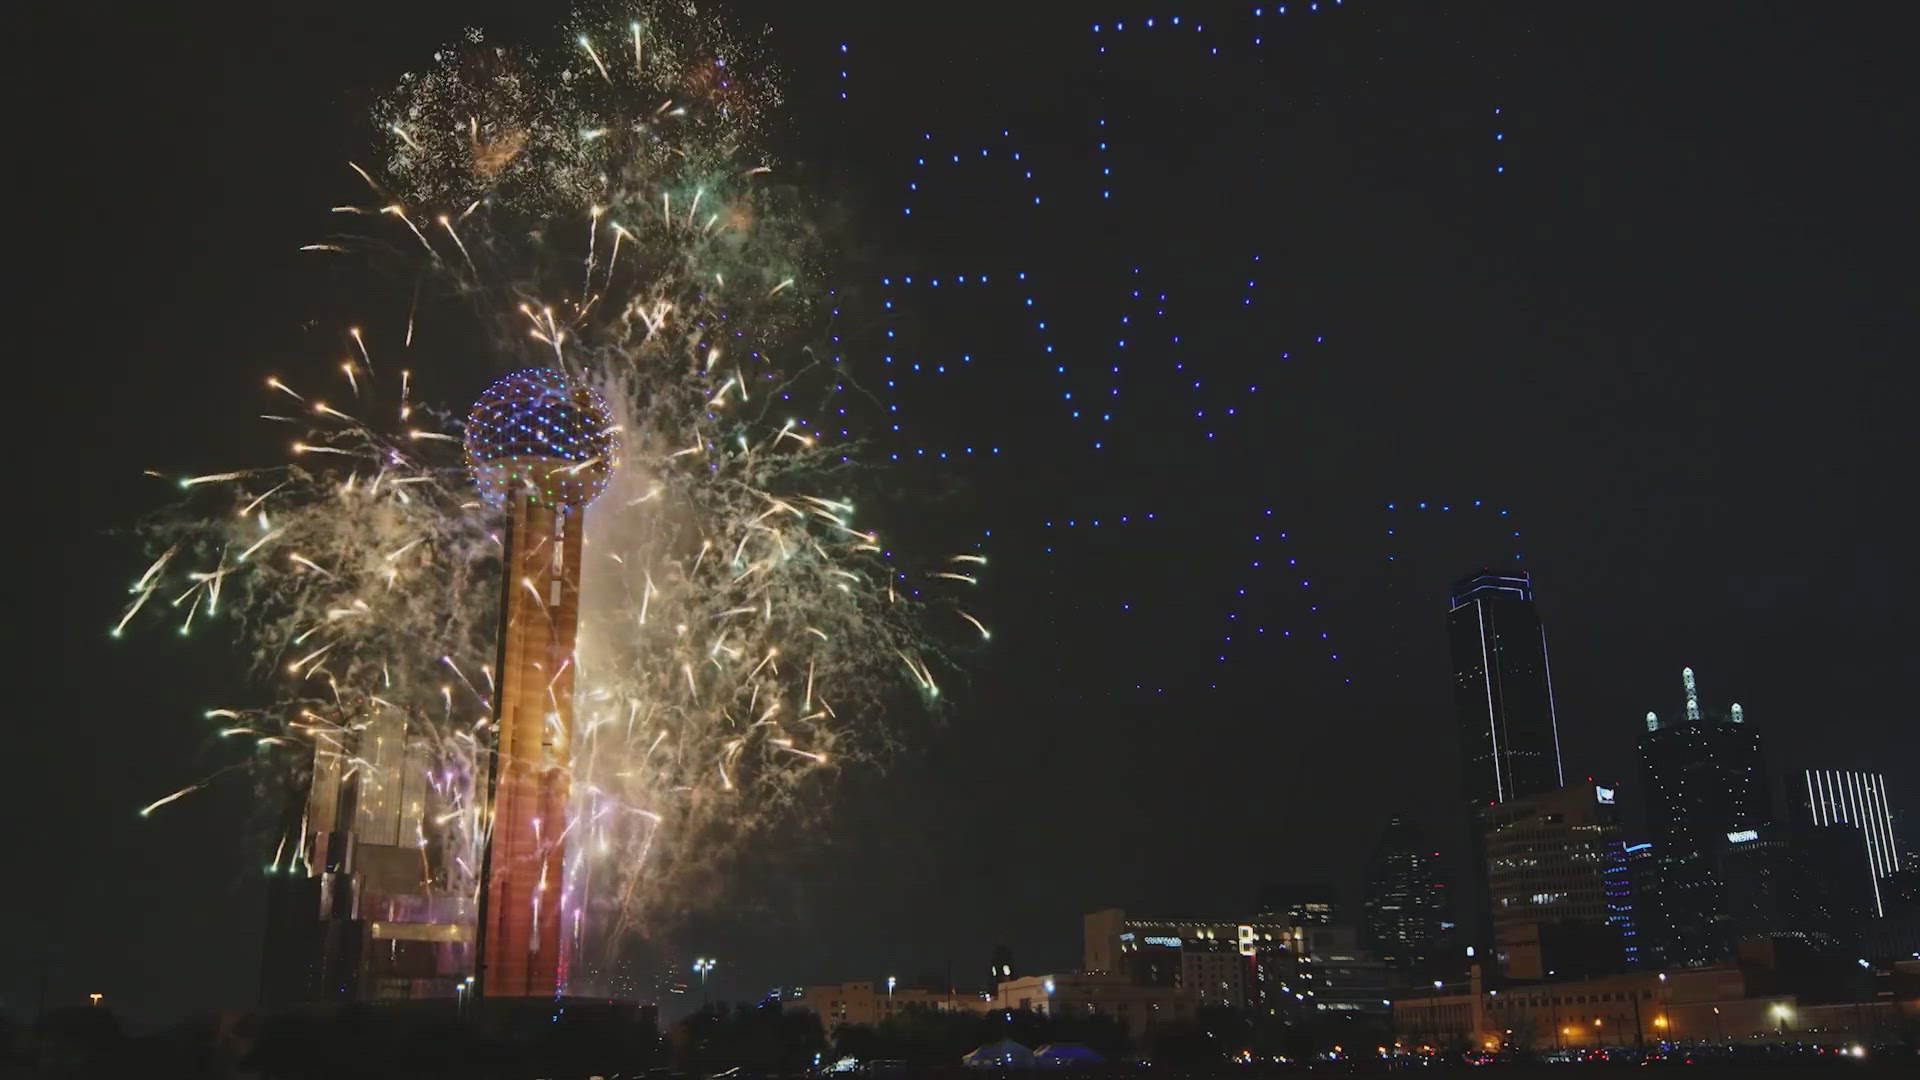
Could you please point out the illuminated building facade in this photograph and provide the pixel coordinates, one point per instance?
(1551, 861)
(1704, 778)
(1407, 906)
(1827, 797)
(1191, 954)
(1502, 690)
(1264, 964)
(356, 909)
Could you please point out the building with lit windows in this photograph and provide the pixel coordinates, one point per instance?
(1407, 904)
(1704, 779)
(1217, 976)
(1825, 797)
(1191, 954)
(1552, 864)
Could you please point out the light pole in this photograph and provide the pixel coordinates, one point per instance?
(703, 965)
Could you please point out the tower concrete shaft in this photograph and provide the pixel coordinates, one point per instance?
(521, 933)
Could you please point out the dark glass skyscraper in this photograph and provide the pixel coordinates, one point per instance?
(1406, 903)
(1705, 783)
(1502, 690)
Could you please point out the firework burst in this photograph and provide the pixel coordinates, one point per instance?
(605, 210)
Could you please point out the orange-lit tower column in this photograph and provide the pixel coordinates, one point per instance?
(542, 444)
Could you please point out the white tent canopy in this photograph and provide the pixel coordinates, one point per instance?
(1064, 1054)
(1005, 1054)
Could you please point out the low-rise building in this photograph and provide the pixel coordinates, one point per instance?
(1139, 1007)
(870, 1002)
(1686, 1005)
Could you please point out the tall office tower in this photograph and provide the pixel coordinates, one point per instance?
(1555, 879)
(1704, 779)
(1858, 799)
(1502, 690)
(1503, 700)
(542, 444)
(1406, 902)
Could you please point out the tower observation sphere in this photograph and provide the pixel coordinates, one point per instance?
(541, 433)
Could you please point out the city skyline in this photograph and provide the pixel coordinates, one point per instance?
(1219, 651)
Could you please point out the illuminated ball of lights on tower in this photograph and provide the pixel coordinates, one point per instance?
(542, 444)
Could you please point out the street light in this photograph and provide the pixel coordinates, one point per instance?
(703, 965)
(94, 999)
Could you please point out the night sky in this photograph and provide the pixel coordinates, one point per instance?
(1623, 294)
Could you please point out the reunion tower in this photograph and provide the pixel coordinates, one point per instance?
(542, 444)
